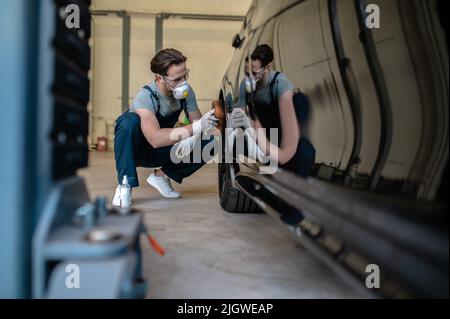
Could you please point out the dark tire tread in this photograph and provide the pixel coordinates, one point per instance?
(233, 200)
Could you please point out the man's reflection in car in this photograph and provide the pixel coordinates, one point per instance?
(271, 96)
(268, 96)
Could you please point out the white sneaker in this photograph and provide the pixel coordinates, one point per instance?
(163, 185)
(116, 199)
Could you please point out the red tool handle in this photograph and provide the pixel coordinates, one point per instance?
(156, 246)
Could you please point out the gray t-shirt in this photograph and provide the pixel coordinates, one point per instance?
(262, 95)
(168, 104)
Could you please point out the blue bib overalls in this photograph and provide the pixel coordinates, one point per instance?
(132, 150)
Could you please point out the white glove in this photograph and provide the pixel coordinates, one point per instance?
(185, 147)
(254, 151)
(207, 121)
(239, 119)
(229, 139)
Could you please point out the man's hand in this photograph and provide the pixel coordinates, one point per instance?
(238, 118)
(185, 147)
(254, 151)
(207, 121)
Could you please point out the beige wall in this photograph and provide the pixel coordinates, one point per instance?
(207, 44)
(106, 74)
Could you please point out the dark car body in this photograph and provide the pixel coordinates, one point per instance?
(379, 123)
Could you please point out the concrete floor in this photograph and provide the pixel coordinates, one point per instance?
(214, 254)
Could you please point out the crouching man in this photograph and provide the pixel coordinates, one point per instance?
(145, 134)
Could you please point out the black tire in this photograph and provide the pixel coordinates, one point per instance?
(233, 200)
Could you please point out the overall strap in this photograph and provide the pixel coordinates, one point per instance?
(272, 84)
(248, 96)
(250, 101)
(155, 96)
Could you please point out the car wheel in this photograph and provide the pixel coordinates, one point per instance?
(231, 199)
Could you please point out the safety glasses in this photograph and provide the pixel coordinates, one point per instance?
(172, 82)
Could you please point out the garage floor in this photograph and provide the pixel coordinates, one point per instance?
(213, 254)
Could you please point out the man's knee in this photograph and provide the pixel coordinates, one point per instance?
(306, 157)
(128, 122)
(307, 150)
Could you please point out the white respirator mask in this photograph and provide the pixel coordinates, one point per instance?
(250, 85)
(181, 91)
(251, 82)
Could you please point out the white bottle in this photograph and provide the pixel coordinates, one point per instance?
(125, 193)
